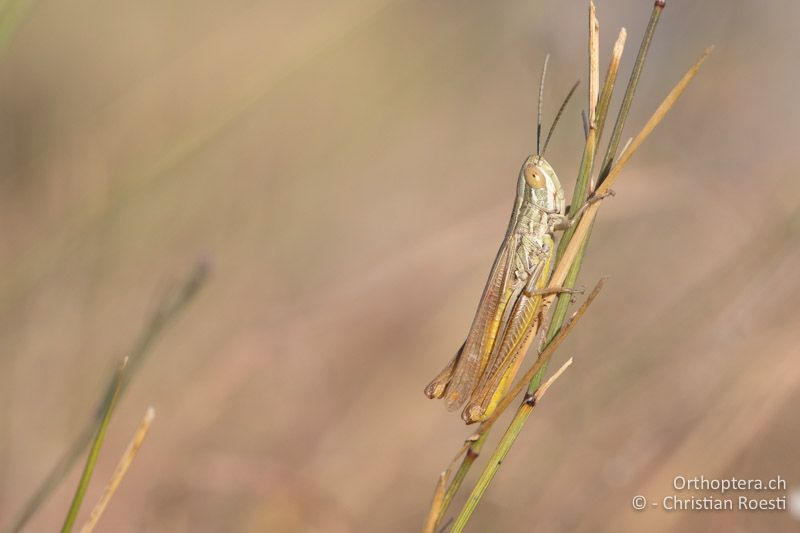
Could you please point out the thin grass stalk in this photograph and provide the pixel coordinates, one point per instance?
(502, 450)
(630, 90)
(172, 304)
(94, 451)
(119, 472)
(471, 451)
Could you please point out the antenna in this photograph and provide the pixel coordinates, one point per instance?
(539, 111)
(558, 115)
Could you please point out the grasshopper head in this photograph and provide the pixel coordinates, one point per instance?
(545, 188)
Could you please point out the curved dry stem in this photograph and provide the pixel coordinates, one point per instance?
(120, 471)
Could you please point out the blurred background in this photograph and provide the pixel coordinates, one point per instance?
(348, 169)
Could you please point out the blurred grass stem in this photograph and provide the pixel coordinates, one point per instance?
(94, 450)
(172, 304)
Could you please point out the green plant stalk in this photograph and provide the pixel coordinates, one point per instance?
(94, 451)
(171, 306)
(473, 451)
(578, 199)
(627, 100)
(603, 104)
(491, 469)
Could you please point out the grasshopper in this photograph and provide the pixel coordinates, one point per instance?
(510, 310)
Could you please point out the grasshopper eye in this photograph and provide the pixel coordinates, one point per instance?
(533, 177)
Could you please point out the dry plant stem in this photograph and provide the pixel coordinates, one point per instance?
(438, 498)
(120, 471)
(652, 122)
(611, 79)
(171, 306)
(94, 451)
(633, 81)
(500, 453)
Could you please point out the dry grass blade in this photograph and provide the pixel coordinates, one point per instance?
(654, 120)
(625, 146)
(552, 379)
(436, 506)
(610, 81)
(121, 470)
